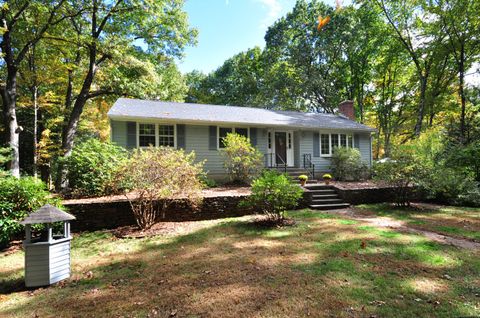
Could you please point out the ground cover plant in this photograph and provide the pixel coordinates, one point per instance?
(327, 265)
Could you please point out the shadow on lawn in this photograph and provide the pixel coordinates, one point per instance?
(237, 269)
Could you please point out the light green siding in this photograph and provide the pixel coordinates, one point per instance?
(197, 139)
(118, 133)
(322, 164)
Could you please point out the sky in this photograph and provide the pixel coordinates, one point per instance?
(227, 27)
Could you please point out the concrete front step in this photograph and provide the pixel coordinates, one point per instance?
(324, 196)
(326, 201)
(322, 192)
(320, 187)
(331, 206)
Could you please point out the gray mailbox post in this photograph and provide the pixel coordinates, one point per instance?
(47, 257)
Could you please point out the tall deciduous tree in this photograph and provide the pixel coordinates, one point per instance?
(422, 42)
(24, 24)
(115, 37)
(459, 19)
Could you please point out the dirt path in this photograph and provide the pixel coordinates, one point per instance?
(403, 227)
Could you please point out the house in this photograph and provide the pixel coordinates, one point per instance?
(286, 138)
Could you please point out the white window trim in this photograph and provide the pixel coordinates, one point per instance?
(331, 146)
(157, 135)
(233, 131)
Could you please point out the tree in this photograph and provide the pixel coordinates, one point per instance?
(106, 37)
(419, 39)
(17, 17)
(459, 20)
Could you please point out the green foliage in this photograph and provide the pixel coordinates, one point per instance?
(92, 166)
(303, 177)
(18, 198)
(5, 156)
(327, 176)
(207, 182)
(347, 165)
(153, 177)
(243, 161)
(273, 194)
(402, 172)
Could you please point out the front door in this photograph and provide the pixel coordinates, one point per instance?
(281, 148)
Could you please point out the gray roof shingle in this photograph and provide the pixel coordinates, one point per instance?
(125, 108)
(47, 214)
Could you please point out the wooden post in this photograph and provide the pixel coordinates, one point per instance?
(28, 233)
(50, 232)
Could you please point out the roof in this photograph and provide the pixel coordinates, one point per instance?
(125, 108)
(47, 214)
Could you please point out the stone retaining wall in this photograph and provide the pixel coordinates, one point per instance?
(109, 215)
(372, 195)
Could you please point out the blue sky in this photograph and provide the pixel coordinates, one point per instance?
(227, 27)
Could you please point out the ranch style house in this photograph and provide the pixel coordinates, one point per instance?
(289, 140)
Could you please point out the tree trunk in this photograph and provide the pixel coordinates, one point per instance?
(70, 130)
(9, 96)
(461, 91)
(35, 130)
(421, 106)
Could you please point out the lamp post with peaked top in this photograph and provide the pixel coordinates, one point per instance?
(47, 257)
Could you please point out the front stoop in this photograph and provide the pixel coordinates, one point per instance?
(323, 197)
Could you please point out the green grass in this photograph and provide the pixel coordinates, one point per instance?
(461, 222)
(325, 265)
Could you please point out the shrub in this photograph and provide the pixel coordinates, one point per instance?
(243, 161)
(153, 177)
(401, 172)
(274, 193)
(92, 166)
(327, 176)
(18, 198)
(347, 165)
(303, 177)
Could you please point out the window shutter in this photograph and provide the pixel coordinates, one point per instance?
(131, 134)
(212, 138)
(253, 136)
(316, 144)
(356, 140)
(181, 136)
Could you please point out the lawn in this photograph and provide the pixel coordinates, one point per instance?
(459, 222)
(327, 265)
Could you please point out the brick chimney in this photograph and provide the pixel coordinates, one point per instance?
(346, 109)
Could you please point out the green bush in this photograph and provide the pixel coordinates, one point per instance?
(402, 172)
(347, 165)
(18, 198)
(91, 167)
(154, 176)
(243, 161)
(274, 193)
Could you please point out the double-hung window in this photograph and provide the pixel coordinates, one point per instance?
(166, 135)
(146, 135)
(224, 131)
(156, 135)
(328, 142)
(325, 144)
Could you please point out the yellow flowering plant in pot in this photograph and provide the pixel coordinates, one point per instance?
(326, 178)
(303, 179)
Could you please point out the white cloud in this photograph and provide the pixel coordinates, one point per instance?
(274, 9)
